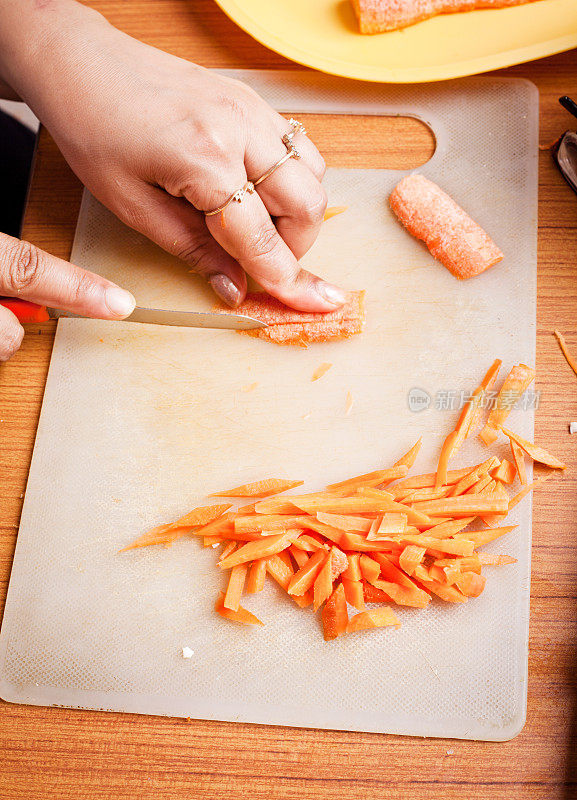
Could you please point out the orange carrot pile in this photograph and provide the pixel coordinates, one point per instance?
(383, 538)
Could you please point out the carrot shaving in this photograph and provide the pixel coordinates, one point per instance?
(349, 403)
(321, 370)
(411, 557)
(534, 451)
(332, 211)
(519, 458)
(240, 615)
(490, 560)
(565, 350)
(505, 472)
(376, 618)
(516, 382)
(264, 488)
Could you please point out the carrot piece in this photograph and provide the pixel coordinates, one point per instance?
(332, 211)
(484, 537)
(453, 238)
(323, 584)
(369, 479)
(490, 560)
(417, 495)
(300, 556)
(309, 543)
(267, 546)
(427, 480)
(534, 451)
(376, 618)
(344, 522)
(519, 458)
(390, 524)
(354, 593)
(269, 522)
(335, 615)
(481, 484)
(411, 556)
(526, 489)
(464, 505)
(505, 472)
(339, 562)
(353, 570)
(356, 542)
(451, 594)
(327, 531)
(370, 569)
(286, 326)
(166, 534)
(410, 456)
(447, 529)
(235, 586)
(349, 403)
(240, 615)
(414, 516)
(209, 541)
(321, 370)
(398, 585)
(302, 580)
(229, 548)
(472, 477)
(256, 576)
(472, 409)
(264, 488)
(303, 600)
(279, 571)
(446, 453)
(516, 382)
(158, 535)
(373, 595)
(565, 350)
(458, 547)
(286, 505)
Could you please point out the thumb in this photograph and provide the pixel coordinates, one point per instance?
(32, 274)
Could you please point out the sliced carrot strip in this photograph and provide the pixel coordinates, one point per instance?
(376, 618)
(279, 571)
(458, 547)
(335, 615)
(464, 506)
(370, 569)
(344, 522)
(418, 495)
(410, 456)
(229, 548)
(565, 350)
(373, 595)
(166, 534)
(262, 548)
(353, 570)
(427, 480)
(472, 477)
(414, 516)
(302, 580)
(321, 370)
(240, 615)
(264, 488)
(485, 386)
(330, 533)
(200, 516)
(519, 458)
(158, 535)
(451, 594)
(256, 576)
(490, 560)
(303, 600)
(369, 479)
(269, 522)
(411, 557)
(481, 484)
(484, 537)
(394, 576)
(516, 382)
(534, 451)
(447, 529)
(323, 585)
(339, 562)
(390, 524)
(525, 491)
(309, 543)
(285, 505)
(353, 593)
(332, 211)
(356, 542)
(446, 453)
(300, 556)
(505, 472)
(235, 586)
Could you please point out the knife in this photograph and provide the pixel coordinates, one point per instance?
(31, 312)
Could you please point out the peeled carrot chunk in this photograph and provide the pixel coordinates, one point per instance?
(411, 556)
(262, 548)
(264, 488)
(287, 326)
(519, 458)
(505, 472)
(335, 615)
(240, 615)
(516, 382)
(354, 593)
(534, 451)
(453, 238)
(256, 576)
(235, 586)
(375, 618)
(302, 580)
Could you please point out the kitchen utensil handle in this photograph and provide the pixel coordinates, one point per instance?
(24, 310)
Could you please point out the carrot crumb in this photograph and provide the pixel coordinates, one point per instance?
(321, 370)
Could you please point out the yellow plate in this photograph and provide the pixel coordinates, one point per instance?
(323, 34)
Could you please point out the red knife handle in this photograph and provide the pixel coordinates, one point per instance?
(24, 310)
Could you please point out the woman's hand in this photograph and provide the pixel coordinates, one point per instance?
(160, 140)
(31, 274)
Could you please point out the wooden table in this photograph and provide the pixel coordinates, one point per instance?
(56, 754)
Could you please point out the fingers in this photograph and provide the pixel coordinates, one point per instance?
(30, 273)
(11, 334)
(293, 194)
(180, 229)
(250, 237)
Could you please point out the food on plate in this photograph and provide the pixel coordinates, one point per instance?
(516, 382)
(378, 16)
(428, 213)
(287, 326)
(378, 538)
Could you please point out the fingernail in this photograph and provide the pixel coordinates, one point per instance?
(225, 289)
(118, 301)
(331, 294)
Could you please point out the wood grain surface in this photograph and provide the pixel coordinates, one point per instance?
(57, 754)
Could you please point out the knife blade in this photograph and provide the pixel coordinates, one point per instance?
(31, 312)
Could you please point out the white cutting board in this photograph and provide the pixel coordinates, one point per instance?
(139, 423)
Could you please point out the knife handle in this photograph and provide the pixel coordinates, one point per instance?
(24, 310)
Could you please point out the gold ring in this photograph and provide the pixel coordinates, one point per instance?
(237, 197)
(291, 152)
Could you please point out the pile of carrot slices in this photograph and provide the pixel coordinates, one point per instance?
(382, 539)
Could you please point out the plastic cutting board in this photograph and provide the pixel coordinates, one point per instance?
(140, 422)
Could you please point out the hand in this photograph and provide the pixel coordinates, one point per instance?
(159, 140)
(31, 274)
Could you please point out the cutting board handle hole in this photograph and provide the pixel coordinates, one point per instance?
(366, 141)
